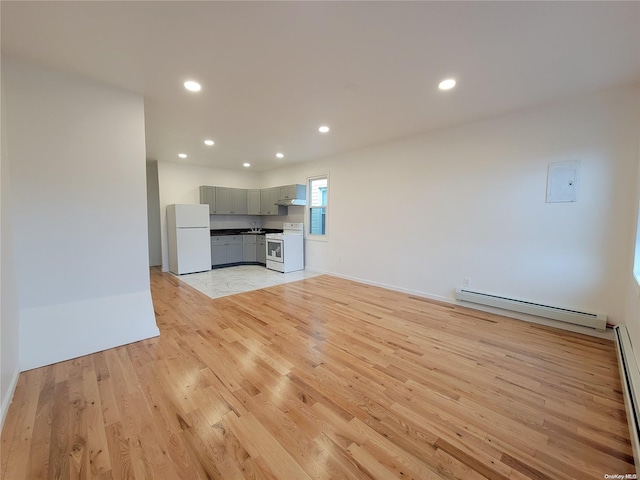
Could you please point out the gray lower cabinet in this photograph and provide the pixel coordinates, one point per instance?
(261, 250)
(226, 249)
(254, 249)
(249, 248)
(234, 250)
(218, 251)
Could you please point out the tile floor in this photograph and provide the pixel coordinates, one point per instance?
(230, 280)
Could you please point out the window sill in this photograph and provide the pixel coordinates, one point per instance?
(317, 238)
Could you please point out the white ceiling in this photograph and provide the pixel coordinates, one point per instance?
(272, 72)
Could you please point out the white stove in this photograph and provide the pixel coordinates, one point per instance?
(285, 251)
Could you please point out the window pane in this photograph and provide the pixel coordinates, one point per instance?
(317, 221)
(318, 189)
(318, 206)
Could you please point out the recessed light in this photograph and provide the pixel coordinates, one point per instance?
(192, 86)
(246, 164)
(323, 129)
(447, 84)
(280, 155)
(182, 155)
(208, 142)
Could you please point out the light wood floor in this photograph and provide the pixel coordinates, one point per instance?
(324, 378)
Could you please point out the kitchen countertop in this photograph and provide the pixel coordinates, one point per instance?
(242, 231)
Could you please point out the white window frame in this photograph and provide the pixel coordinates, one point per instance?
(307, 211)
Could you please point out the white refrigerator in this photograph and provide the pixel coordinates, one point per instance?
(189, 238)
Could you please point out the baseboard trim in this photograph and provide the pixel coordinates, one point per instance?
(608, 334)
(630, 380)
(8, 398)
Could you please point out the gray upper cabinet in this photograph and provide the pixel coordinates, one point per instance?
(268, 199)
(208, 197)
(223, 201)
(240, 201)
(231, 201)
(253, 202)
(290, 192)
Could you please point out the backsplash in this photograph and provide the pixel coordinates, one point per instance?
(295, 215)
(219, 222)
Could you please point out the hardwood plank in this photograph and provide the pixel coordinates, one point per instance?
(58, 456)
(96, 436)
(40, 446)
(77, 439)
(169, 422)
(260, 443)
(370, 464)
(16, 440)
(324, 378)
(119, 452)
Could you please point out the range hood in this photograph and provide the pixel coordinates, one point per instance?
(287, 202)
(295, 194)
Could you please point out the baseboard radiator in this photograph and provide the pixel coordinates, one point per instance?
(593, 320)
(630, 378)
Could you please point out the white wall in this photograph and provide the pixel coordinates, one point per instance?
(180, 183)
(420, 214)
(78, 202)
(9, 317)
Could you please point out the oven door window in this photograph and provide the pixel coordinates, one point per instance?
(274, 250)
